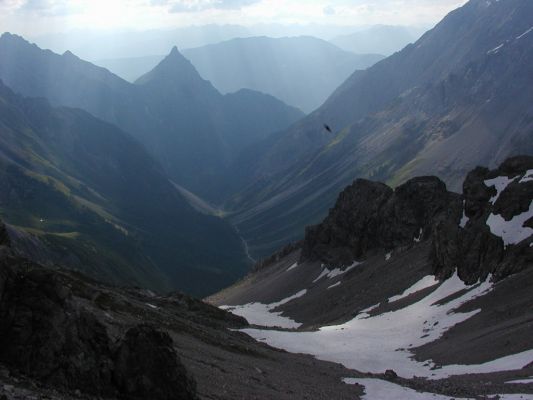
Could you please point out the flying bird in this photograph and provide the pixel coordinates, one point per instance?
(326, 127)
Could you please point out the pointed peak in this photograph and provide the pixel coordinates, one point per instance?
(174, 50)
(69, 54)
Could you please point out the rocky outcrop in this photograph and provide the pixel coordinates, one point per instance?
(50, 335)
(486, 240)
(370, 216)
(482, 232)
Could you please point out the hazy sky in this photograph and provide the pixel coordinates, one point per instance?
(43, 16)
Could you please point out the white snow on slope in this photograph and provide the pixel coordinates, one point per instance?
(326, 272)
(464, 218)
(381, 342)
(524, 381)
(525, 33)
(292, 266)
(419, 238)
(380, 389)
(500, 183)
(423, 283)
(512, 231)
(527, 177)
(262, 314)
(334, 285)
(496, 49)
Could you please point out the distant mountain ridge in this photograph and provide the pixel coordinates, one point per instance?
(301, 71)
(382, 39)
(443, 105)
(180, 125)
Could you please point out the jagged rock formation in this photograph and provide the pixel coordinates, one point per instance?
(370, 215)
(471, 246)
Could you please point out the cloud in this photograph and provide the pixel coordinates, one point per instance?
(181, 6)
(49, 8)
(329, 10)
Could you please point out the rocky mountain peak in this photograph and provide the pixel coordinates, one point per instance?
(173, 69)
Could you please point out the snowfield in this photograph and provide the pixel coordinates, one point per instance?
(380, 389)
(377, 343)
(263, 314)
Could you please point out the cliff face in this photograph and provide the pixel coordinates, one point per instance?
(494, 234)
(486, 230)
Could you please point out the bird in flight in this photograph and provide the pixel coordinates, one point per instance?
(326, 127)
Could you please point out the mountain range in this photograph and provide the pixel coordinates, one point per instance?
(452, 100)
(191, 129)
(381, 39)
(79, 192)
(301, 71)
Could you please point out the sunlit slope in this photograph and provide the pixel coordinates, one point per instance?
(455, 99)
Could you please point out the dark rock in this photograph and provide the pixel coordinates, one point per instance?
(47, 334)
(370, 215)
(390, 374)
(352, 226)
(474, 250)
(49, 337)
(4, 236)
(147, 367)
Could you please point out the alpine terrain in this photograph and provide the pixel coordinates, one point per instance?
(455, 99)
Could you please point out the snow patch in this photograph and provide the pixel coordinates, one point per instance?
(524, 381)
(464, 218)
(419, 238)
(525, 33)
(151, 306)
(512, 231)
(381, 342)
(326, 272)
(380, 389)
(496, 49)
(292, 266)
(500, 183)
(334, 285)
(527, 177)
(262, 314)
(388, 256)
(423, 283)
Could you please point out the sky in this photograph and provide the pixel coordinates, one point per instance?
(37, 17)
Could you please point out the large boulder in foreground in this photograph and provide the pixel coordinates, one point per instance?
(147, 367)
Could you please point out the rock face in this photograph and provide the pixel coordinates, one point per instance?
(50, 335)
(495, 234)
(488, 235)
(370, 215)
